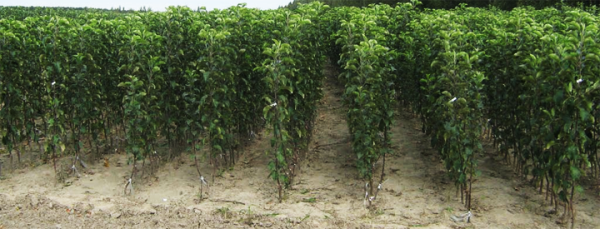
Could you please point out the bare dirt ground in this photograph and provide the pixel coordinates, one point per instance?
(327, 192)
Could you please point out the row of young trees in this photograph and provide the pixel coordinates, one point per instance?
(152, 80)
(529, 76)
(360, 44)
(444, 86)
(539, 93)
(376, 47)
(293, 78)
(22, 12)
(449, 4)
(548, 93)
(209, 80)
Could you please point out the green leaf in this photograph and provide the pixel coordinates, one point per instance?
(575, 173)
(549, 145)
(579, 189)
(62, 147)
(583, 114)
(206, 75)
(266, 111)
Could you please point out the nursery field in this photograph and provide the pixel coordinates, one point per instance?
(417, 194)
(317, 117)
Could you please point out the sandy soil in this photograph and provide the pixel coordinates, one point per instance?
(327, 192)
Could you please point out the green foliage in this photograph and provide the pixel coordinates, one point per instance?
(368, 78)
(526, 74)
(450, 4)
(70, 78)
(73, 79)
(293, 80)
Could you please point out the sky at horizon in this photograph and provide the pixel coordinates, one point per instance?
(155, 5)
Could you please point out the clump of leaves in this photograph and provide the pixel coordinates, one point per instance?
(309, 200)
(224, 211)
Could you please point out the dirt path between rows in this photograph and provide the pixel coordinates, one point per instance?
(327, 192)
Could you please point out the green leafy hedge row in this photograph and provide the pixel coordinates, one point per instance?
(529, 76)
(526, 78)
(160, 79)
(369, 86)
(215, 78)
(447, 88)
(293, 78)
(548, 94)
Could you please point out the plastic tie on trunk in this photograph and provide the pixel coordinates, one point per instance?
(130, 186)
(462, 218)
